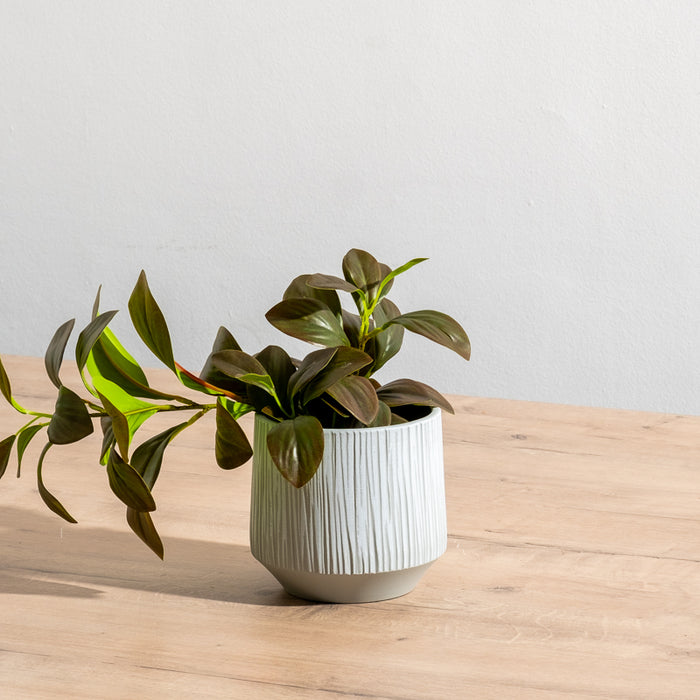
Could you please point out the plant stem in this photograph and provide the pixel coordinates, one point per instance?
(204, 408)
(38, 414)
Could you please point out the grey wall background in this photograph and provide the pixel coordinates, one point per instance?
(544, 155)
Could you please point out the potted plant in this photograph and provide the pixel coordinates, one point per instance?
(348, 490)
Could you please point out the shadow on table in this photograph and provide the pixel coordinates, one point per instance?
(81, 560)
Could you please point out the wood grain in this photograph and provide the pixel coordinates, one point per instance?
(572, 571)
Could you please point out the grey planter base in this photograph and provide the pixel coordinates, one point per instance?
(349, 588)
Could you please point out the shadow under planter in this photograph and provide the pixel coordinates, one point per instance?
(367, 526)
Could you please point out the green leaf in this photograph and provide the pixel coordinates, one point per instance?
(232, 448)
(261, 381)
(5, 452)
(71, 421)
(142, 524)
(108, 440)
(122, 359)
(352, 325)
(150, 323)
(404, 392)
(296, 448)
(321, 281)
(135, 410)
(357, 395)
(244, 368)
(24, 438)
(49, 499)
(110, 360)
(309, 368)
(279, 366)
(127, 484)
(235, 408)
(234, 363)
(388, 277)
(89, 335)
(299, 289)
(388, 341)
(121, 399)
(345, 361)
(192, 381)
(373, 277)
(119, 425)
(308, 319)
(383, 417)
(361, 269)
(386, 271)
(54, 353)
(6, 389)
(223, 341)
(438, 327)
(148, 456)
(96, 304)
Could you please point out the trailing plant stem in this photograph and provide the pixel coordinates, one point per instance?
(203, 408)
(36, 414)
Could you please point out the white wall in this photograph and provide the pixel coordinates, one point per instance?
(544, 155)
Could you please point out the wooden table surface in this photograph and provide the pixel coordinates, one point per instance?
(572, 571)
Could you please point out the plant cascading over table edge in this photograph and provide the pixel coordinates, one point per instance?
(332, 387)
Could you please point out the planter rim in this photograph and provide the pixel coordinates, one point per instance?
(345, 431)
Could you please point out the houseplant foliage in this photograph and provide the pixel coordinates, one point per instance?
(331, 387)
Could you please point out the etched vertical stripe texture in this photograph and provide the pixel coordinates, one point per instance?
(377, 502)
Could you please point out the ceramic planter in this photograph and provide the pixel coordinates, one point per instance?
(369, 523)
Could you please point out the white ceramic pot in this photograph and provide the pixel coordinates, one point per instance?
(366, 526)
